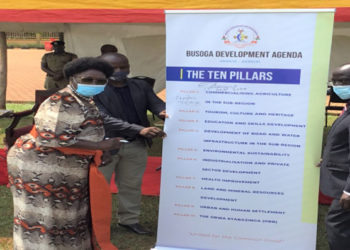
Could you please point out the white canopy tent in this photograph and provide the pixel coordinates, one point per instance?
(144, 43)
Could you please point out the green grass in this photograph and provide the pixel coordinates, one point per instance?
(125, 239)
(321, 243)
(122, 238)
(6, 218)
(25, 46)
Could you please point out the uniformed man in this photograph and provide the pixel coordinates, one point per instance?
(52, 64)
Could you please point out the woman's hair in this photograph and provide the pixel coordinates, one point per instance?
(85, 63)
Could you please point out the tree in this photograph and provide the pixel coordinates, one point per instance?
(3, 70)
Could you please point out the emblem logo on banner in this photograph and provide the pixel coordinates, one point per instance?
(241, 36)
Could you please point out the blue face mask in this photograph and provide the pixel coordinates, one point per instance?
(89, 89)
(343, 92)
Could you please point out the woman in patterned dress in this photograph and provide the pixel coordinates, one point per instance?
(51, 188)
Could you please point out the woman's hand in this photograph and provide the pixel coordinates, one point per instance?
(106, 158)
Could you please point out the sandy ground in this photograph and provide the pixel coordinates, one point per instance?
(24, 74)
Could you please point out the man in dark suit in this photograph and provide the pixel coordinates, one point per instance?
(335, 168)
(123, 105)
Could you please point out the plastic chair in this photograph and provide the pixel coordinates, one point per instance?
(11, 132)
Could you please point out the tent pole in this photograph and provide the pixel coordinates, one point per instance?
(3, 70)
(61, 36)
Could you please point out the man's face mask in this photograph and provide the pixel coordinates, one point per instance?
(343, 92)
(119, 76)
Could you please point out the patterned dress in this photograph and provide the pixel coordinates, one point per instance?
(50, 189)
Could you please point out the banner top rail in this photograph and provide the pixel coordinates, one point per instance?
(228, 11)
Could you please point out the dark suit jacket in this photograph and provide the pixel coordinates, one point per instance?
(113, 114)
(335, 166)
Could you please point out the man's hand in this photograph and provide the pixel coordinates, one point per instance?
(152, 132)
(319, 164)
(163, 115)
(345, 201)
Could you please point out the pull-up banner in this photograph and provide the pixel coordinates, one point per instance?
(245, 96)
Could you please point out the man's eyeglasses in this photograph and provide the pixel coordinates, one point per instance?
(90, 80)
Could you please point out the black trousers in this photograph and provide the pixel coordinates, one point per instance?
(338, 227)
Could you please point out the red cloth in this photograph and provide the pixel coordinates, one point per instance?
(82, 15)
(151, 178)
(324, 199)
(105, 15)
(3, 168)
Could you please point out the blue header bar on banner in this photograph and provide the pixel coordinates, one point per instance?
(241, 75)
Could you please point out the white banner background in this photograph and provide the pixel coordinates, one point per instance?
(233, 161)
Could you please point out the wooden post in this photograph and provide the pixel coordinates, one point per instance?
(3, 70)
(38, 38)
